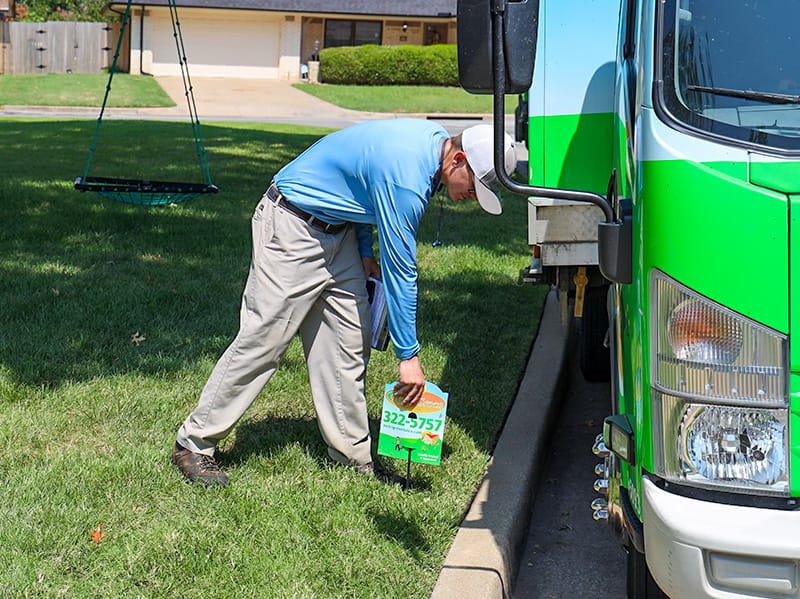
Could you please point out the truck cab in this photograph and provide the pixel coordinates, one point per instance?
(683, 116)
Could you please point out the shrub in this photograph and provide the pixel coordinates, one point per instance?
(390, 65)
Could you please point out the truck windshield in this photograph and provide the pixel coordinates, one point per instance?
(732, 69)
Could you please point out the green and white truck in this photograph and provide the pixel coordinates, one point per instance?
(664, 195)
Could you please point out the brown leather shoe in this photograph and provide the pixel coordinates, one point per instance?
(198, 467)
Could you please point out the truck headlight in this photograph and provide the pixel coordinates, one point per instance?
(730, 448)
(719, 397)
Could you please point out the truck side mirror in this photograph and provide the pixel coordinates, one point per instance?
(475, 26)
(615, 239)
(614, 249)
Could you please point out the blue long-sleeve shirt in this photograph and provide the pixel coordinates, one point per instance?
(377, 173)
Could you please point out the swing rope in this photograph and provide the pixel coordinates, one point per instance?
(148, 192)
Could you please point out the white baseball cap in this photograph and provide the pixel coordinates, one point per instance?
(478, 144)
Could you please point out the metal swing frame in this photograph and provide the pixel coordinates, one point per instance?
(149, 192)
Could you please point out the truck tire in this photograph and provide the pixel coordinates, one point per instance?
(593, 357)
(640, 583)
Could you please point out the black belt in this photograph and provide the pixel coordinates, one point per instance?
(311, 220)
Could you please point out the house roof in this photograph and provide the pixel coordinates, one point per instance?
(386, 8)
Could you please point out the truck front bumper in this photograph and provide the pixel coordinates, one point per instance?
(698, 549)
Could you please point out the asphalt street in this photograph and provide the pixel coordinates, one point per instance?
(567, 554)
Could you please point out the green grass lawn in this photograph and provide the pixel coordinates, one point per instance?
(113, 317)
(81, 89)
(405, 98)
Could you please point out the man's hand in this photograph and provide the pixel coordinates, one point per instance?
(371, 268)
(411, 384)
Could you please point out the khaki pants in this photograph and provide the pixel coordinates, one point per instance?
(300, 280)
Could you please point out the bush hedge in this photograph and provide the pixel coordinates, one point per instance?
(390, 65)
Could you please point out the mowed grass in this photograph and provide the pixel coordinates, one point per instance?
(82, 89)
(112, 318)
(405, 98)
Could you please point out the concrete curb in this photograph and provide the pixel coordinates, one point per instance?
(483, 559)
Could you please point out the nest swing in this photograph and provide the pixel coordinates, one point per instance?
(149, 192)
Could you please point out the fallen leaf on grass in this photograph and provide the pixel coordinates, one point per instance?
(98, 535)
(136, 338)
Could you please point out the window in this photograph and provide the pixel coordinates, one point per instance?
(342, 32)
(732, 70)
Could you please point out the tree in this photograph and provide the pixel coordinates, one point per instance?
(60, 10)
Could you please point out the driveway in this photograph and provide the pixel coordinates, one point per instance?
(252, 99)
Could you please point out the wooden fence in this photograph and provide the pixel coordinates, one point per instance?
(56, 47)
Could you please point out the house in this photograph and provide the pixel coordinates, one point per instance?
(272, 39)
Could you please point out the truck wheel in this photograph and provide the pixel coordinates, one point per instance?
(594, 358)
(640, 583)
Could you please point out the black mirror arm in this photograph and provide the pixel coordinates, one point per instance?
(498, 58)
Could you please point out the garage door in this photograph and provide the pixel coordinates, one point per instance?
(219, 47)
